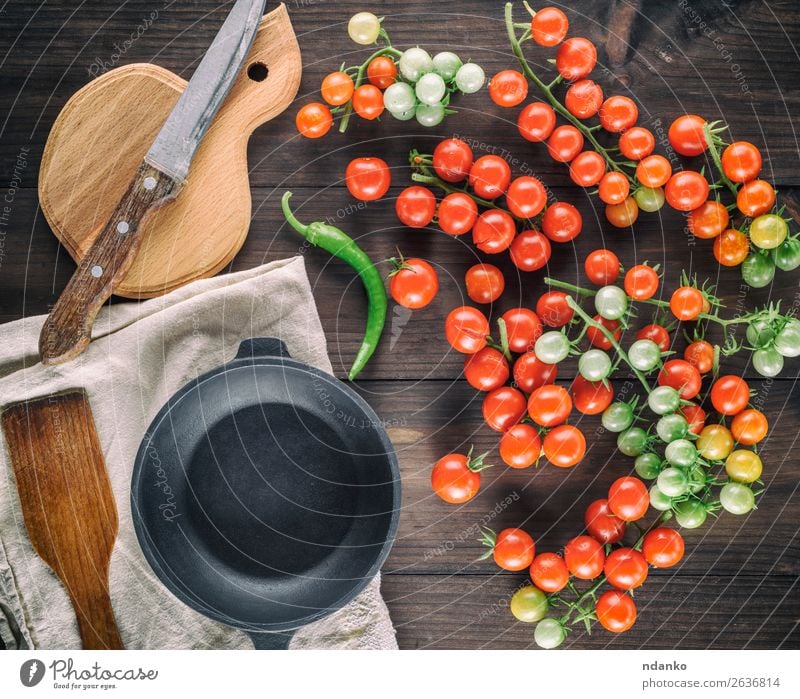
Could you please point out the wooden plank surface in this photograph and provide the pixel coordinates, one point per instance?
(736, 587)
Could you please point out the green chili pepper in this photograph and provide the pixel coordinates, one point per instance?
(341, 245)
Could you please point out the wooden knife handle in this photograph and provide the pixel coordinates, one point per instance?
(68, 329)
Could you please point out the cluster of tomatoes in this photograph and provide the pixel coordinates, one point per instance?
(495, 229)
(599, 556)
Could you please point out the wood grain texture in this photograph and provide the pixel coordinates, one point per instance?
(105, 129)
(68, 328)
(67, 503)
(737, 586)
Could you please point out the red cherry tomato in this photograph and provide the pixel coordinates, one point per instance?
(553, 309)
(457, 213)
(663, 547)
(526, 197)
(485, 283)
(530, 251)
(741, 162)
(508, 88)
(368, 102)
(637, 143)
(494, 231)
(625, 568)
(549, 572)
(549, 26)
(337, 88)
(453, 479)
(452, 160)
(530, 372)
(367, 179)
(656, 333)
(591, 398)
(523, 327)
(561, 222)
(628, 498)
(314, 120)
(584, 557)
(601, 267)
(614, 188)
(615, 611)
(414, 284)
(755, 197)
(489, 176)
(583, 99)
(576, 58)
(466, 329)
(686, 135)
(618, 113)
(695, 416)
(653, 171)
(536, 122)
(624, 214)
(382, 72)
(602, 524)
(415, 206)
(514, 549)
(700, 354)
(686, 190)
(681, 376)
(549, 405)
(503, 407)
(641, 282)
(587, 168)
(565, 143)
(486, 370)
(564, 446)
(730, 395)
(686, 303)
(708, 220)
(598, 339)
(521, 446)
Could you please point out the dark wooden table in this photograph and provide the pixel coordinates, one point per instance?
(737, 586)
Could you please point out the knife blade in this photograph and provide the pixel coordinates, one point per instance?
(67, 330)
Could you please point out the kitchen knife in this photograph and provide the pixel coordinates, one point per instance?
(67, 330)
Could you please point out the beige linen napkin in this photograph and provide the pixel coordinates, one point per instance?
(141, 354)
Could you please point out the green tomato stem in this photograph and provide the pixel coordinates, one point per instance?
(714, 152)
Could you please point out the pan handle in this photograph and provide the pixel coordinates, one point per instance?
(262, 347)
(271, 640)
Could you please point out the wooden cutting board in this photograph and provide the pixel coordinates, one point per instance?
(67, 503)
(104, 131)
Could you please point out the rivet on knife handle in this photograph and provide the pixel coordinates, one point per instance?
(67, 330)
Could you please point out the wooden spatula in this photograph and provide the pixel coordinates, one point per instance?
(67, 503)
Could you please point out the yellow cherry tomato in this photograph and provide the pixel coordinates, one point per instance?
(768, 231)
(743, 466)
(715, 442)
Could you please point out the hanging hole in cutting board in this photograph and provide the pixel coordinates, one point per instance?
(257, 72)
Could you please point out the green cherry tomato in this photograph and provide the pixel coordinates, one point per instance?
(768, 231)
(681, 452)
(659, 501)
(663, 400)
(363, 28)
(671, 427)
(611, 302)
(672, 482)
(529, 604)
(758, 270)
(552, 347)
(649, 199)
(787, 255)
(446, 64)
(414, 63)
(548, 632)
(632, 441)
(617, 417)
(399, 98)
(430, 114)
(697, 479)
(470, 78)
(760, 333)
(647, 465)
(406, 115)
(690, 513)
(644, 355)
(787, 341)
(768, 362)
(430, 89)
(594, 365)
(737, 498)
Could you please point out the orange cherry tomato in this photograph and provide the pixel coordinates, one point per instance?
(749, 427)
(490, 176)
(708, 220)
(466, 329)
(756, 197)
(508, 88)
(530, 251)
(457, 213)
(686, 190)
(587, 168)
(549, 572)
(485, 283)
(618, 113)
(337, 88)
(628, 498)
(625, 568)
(641, 282)
(584, 557)
(414, 284)
(731, 248)
(549, 26)
(564, 446)
(494, 231)
(368, 102)
(520, 446)
(576, 58)
(453, 479)
(700, 354)
(549, 405)
(686, 135)
(614, 188)
(583, 99)
(565, 143)
(615, 611)
(653, 171)
(686, 303)
(526, 197)
(637, 143)
(624, 214)
(486, 370)
(382, 72)
(536, 122)
(314, 120)
(513, 549)
(741, 161)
